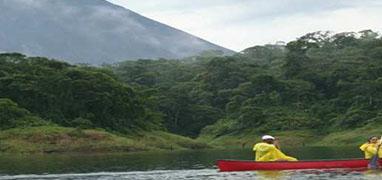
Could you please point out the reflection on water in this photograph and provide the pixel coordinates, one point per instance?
(169, 165)
(210, 174)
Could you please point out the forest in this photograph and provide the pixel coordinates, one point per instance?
(321, 81)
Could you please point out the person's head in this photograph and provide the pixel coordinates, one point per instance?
(268, 139)
(372, 139)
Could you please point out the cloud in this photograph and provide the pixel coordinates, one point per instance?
(243, 23)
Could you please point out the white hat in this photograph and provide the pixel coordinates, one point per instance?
(267, 137)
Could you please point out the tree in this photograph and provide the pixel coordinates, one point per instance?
(13, 116)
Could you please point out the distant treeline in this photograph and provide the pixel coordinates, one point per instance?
(320, 81)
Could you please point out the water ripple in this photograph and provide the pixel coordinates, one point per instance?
(208, 174)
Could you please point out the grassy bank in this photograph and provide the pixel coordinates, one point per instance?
(246, 139)
(55, 139)
(351, 137)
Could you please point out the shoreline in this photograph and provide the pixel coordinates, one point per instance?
(63, 140)
(56, 139)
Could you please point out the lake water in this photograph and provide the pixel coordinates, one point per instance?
(169, 165)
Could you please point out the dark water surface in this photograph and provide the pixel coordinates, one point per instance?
(170, 165)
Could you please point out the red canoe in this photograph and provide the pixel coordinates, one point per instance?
(235, 165)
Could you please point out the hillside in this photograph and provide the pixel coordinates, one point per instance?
(320, 82)
(322, 85)
(90, 31)
(56, 139)
(47, 106)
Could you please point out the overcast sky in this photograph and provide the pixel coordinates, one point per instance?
(238, 24)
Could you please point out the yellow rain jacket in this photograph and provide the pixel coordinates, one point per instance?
(370, 149)
(269, 152)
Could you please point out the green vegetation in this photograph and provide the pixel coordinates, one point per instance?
(71, 95)
(13, 116)
(320, 82)
(356, 136)
(320, 85)
(248, 138)
(55, 139)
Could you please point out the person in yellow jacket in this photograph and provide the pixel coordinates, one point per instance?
(371, 146)
(269, 150)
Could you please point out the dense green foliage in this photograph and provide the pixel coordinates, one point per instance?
(13, 116)
(319, 82)
(69, 95)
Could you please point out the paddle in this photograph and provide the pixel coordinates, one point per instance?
(373, 164)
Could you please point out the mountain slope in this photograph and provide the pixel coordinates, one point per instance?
(90, 31)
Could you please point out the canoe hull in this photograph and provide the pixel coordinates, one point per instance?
(235, 165)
